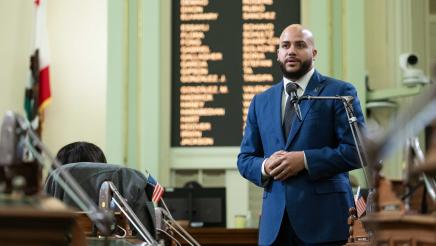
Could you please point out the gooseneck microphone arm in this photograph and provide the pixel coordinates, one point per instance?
(130, 215)
(355, 131)
(102, 220)
(172, 224)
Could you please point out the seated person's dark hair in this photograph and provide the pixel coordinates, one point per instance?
(192, 185)
(80, 152)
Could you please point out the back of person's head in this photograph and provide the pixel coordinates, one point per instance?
(192, 185)
(80, 152)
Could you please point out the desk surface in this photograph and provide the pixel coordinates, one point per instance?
(223, 236)
(93, 241)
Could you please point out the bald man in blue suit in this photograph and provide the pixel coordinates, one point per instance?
(304, 173)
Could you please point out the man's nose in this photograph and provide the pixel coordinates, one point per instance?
(291, 49)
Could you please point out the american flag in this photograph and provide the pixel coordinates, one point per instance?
(157, 193)
(360, 203)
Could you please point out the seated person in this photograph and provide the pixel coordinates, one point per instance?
(131, 184)
(80, 152)
(86, 163)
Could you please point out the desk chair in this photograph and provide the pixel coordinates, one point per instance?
(130, 183)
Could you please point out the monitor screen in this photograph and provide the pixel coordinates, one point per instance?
(178, 203)
(200, 206)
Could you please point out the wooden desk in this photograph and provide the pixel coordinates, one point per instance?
(41, 221)
(222, 236)
(27, 222)
(93, 241)
(416, 198)
(398, 229)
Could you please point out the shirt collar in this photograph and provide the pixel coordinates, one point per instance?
(302, 82)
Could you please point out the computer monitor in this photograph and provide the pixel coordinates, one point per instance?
(202, 207)
(178, 202)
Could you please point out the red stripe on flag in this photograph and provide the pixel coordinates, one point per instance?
(44, 88)
(37, 2)
(360, 206)
(157, 193)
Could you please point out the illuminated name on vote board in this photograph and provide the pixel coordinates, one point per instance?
(223, 53)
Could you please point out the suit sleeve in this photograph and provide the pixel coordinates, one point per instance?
(331, 160)
(251, 155)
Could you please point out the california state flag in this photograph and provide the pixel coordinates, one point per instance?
(41, 44)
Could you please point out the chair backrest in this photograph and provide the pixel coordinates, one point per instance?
(130, 183)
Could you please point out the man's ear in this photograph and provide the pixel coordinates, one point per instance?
(314, 53)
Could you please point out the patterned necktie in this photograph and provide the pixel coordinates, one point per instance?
(289, 114)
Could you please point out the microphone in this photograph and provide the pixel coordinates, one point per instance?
(291, 89)
(9, 140)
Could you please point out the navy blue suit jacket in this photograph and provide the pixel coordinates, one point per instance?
(316, 200)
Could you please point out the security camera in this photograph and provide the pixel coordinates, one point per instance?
(408, 60)
(411, 74)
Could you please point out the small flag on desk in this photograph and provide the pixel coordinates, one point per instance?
(157, 193)
(360, 203)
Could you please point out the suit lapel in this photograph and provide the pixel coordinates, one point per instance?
(314, 87)
(277, 112)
